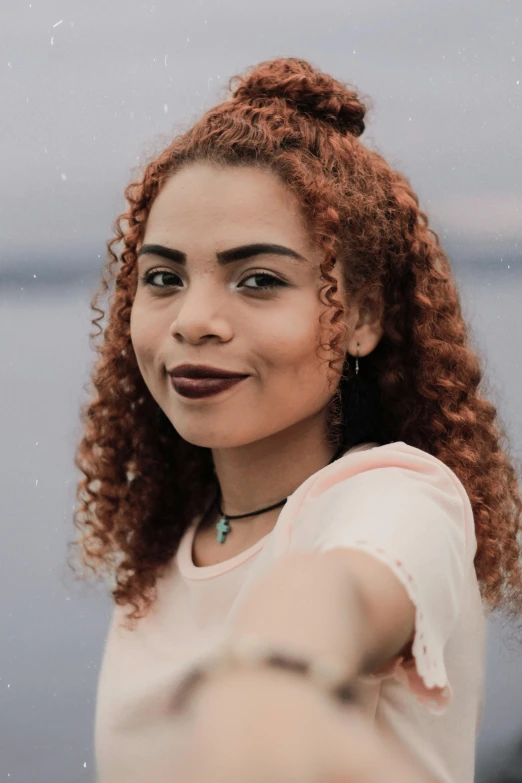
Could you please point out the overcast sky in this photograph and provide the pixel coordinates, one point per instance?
(90, 88)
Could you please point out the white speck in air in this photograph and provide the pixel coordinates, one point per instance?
(188, 40)
(57, 23)
(9, 65)
(36, 444)
(165, 108)
(52, 41)
(36, 482)
(63, 176)
(165, 59)
(85, 764)
(34, 276)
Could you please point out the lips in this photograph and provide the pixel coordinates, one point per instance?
(202, 371)
(203, 387)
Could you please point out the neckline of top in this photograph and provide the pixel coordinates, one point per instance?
(184, 558)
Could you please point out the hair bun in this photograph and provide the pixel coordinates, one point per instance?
(308, 89)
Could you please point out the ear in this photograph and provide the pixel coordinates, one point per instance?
(364, 321)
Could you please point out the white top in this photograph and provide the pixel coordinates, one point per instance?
(396, 502)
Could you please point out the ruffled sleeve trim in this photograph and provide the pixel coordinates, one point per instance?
(424, 673)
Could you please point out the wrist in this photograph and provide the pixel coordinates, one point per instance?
(263, 719)
(263, 697)
(249, 655)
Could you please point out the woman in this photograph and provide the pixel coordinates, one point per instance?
(342, 499)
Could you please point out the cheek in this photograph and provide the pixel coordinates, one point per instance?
(143, 337)
(291, 342)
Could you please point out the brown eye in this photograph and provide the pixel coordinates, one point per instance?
(274, 282)
(148, 277)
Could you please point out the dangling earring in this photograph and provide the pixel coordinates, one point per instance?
(357, 361)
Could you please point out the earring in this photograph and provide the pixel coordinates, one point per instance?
(357, 361)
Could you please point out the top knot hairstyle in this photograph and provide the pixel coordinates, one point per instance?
(304, 90)
(143, 484)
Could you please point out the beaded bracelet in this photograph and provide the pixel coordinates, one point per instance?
(250, 652)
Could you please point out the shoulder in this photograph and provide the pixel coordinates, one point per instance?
(388, 463)
(391, 487)
(398, 469)
(397, 454)
(372, 463)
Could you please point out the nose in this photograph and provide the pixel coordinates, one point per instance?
(202, 312)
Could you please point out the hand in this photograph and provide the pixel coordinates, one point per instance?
(274, 727)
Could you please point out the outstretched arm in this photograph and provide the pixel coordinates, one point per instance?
(343, 602)
(267, 726)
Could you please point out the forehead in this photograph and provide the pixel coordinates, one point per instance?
(225, 205)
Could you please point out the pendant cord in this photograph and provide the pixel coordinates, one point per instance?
(275, 505)
(223, 527)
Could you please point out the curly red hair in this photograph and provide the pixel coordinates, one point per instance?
(143, 484)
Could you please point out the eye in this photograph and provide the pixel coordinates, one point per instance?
(273, 282)
(147, 278)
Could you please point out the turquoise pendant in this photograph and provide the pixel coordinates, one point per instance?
(223, 528)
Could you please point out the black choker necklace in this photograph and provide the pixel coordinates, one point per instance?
(223, 528)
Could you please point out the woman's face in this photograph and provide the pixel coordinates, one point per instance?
(202, 311)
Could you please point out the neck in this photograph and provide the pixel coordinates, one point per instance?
(265, 472)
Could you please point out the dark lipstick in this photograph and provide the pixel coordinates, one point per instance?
(195, 388)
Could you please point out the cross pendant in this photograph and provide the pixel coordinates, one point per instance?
(223, 528)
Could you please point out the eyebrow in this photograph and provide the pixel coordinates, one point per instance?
(230, 256)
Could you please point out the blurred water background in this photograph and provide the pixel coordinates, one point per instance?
(87, 91)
